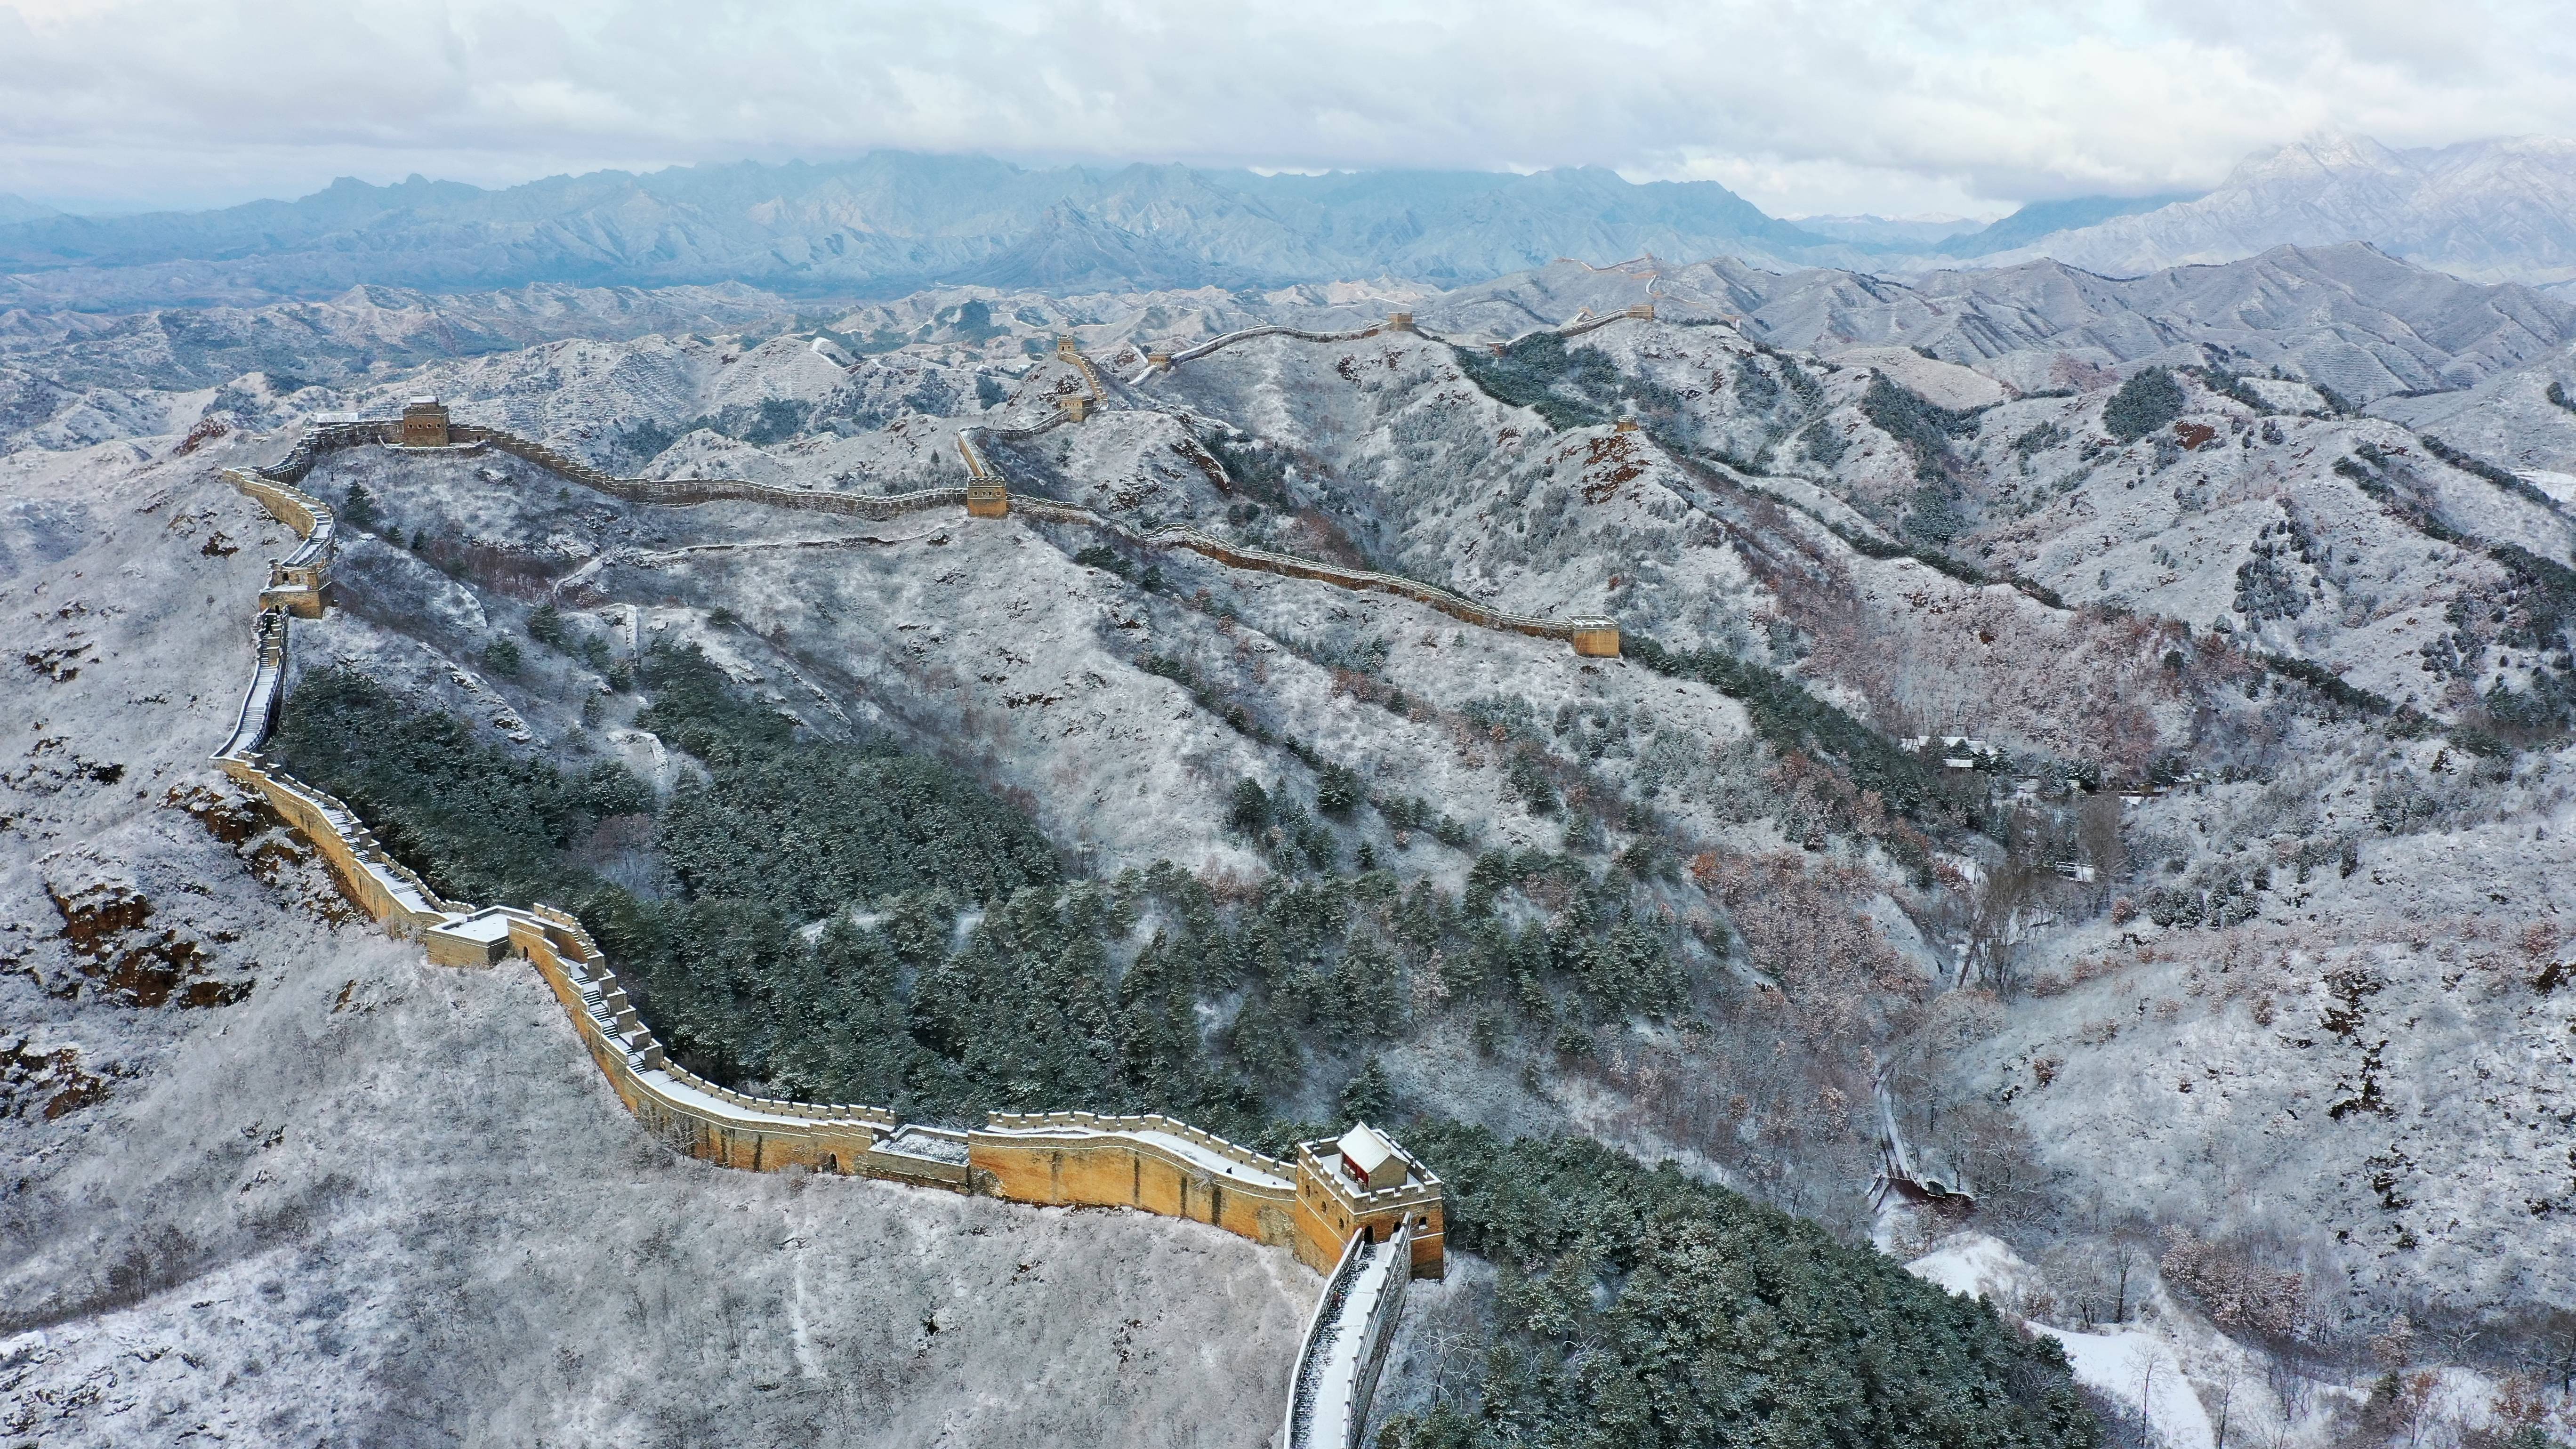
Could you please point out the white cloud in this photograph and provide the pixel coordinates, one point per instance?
(1832, 105)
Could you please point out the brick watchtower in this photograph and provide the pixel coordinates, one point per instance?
(1364, 1183)
(424, 423)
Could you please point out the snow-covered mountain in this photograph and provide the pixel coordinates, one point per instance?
(2491, 210)
(1905, 232)
(2347, 317)
(2271, 1038)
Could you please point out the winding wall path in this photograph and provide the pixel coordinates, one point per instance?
(1153, 1164)
(1384, 1237)
(1345, 1345)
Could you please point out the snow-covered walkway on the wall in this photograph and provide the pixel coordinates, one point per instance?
(1346, 1342)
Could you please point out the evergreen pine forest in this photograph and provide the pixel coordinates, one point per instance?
(844, 921)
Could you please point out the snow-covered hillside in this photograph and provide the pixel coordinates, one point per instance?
(2490, 209)
(278, 1180)
(2231, 930)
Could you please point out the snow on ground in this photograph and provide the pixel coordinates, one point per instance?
(1946, 384)
(2561, 486)
(1979, 1265)
(378, 1202)
(2136, 1367)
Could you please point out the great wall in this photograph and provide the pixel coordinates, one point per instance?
(1358, 1209)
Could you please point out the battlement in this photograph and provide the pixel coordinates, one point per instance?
(1595, 638)
(1077, 405)
(295, 582)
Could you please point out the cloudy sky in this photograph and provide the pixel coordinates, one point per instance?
(1894, 106)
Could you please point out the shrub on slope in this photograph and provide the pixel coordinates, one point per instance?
(2147, 401)
(812, 826)
(1025, 1011)
(1570, 388)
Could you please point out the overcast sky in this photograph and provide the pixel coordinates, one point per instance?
(1894, 106)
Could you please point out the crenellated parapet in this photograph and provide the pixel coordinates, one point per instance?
(296, 583)
(385, 888)
(1153, 1164)
(1335, 1202)
(1091, 396)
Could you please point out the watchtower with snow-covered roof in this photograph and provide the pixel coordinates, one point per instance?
(1363, 1182)
(1369, 1159)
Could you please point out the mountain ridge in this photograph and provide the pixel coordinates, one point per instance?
(2491, 210)
(892, 222)
(884, 224)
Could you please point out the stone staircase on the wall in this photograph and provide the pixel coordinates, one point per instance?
(1345, 1345)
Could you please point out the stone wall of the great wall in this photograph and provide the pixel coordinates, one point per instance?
(1150, 1164)
(1359, 1237)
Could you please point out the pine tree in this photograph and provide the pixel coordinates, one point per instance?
(360, 511)
(1369, 1097)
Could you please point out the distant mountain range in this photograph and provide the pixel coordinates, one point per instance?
(893, 222)
(2502, 210)
(887, 223)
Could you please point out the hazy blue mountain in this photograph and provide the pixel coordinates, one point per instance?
(2491, 210)
(19, 208)
(884, 223)
(1907, 232)
(2041, 218)
(894, 222)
